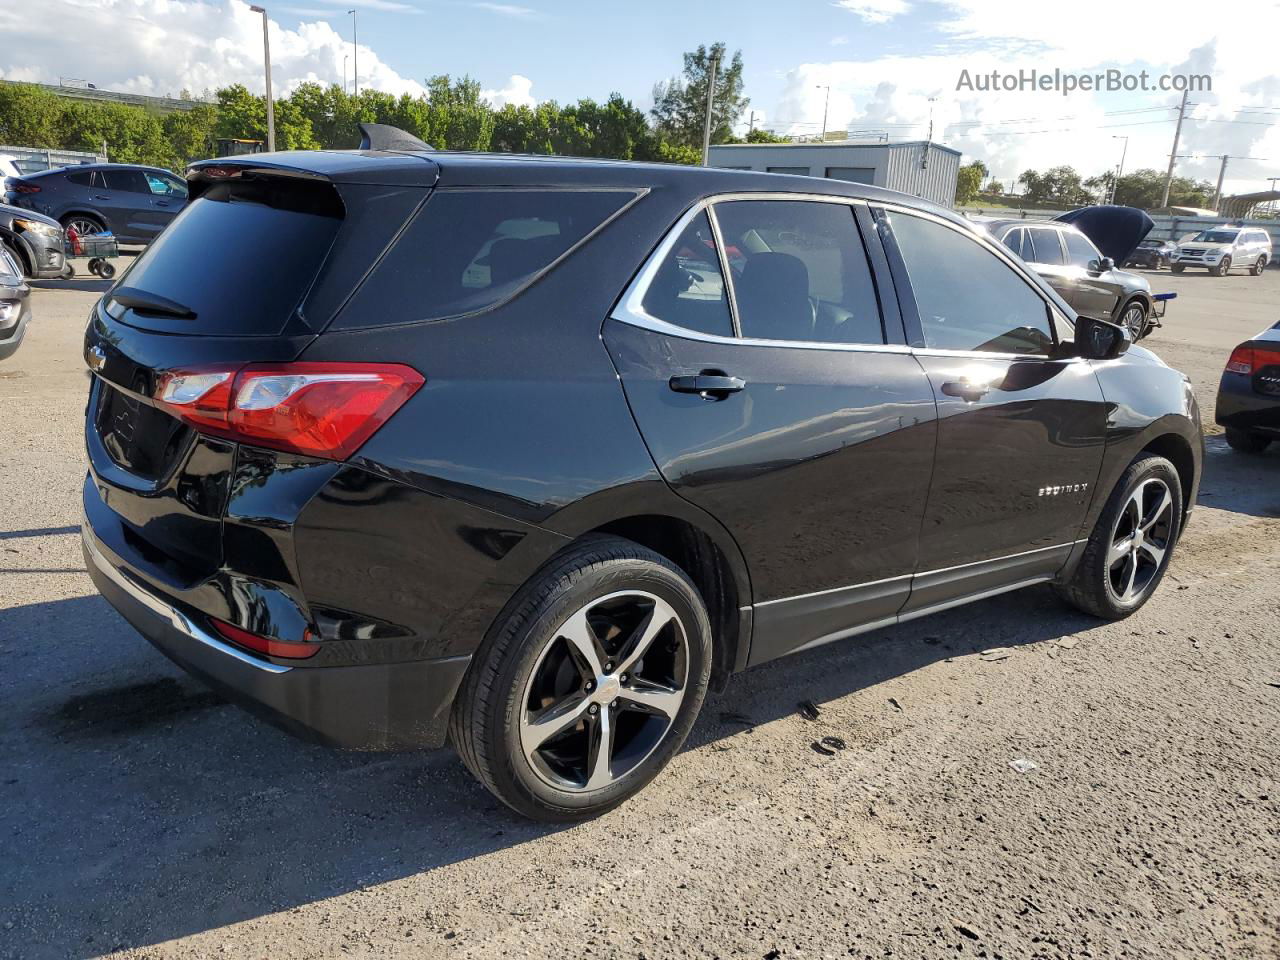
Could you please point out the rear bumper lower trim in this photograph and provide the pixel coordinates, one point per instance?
(179, 621)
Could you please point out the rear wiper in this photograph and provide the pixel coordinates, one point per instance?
(144, 302)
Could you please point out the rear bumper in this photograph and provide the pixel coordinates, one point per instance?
(384, 706)
(1241, 407)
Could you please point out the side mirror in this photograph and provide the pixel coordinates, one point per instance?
(1101, 266)
(1101, 339)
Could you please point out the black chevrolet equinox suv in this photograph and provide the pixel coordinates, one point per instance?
(398, 447)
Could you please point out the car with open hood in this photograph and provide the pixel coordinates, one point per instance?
(1077, 254)
(1223, 249)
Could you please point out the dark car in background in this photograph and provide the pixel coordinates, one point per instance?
(1071, 263)
(398, 446)
(15, 310)
(133, 202)
(1152, 254)
(33, 240)
(1249, 393)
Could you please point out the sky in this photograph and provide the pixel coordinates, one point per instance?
(889, 64)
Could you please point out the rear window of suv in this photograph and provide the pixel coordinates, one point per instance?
(241, 257)
(469, 249)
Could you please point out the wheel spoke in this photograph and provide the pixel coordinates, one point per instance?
(1152, 517)
(600, 756)
(643, 638)
(1129, 577)
(1119, 550)
(555, 719)
(1154, 553)
(652, 698)
(584, 645)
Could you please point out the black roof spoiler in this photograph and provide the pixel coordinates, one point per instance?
(383, 136)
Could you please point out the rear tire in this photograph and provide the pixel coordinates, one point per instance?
(1259, 265)
(1242, 441)
(1131, 544)
(579, 652)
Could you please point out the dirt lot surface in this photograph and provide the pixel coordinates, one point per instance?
(140, 814)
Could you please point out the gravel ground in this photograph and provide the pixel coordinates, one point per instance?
(142, 815)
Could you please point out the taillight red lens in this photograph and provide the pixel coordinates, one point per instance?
(1241, 360)
(26, 188)
(287, 649)
(325, 410)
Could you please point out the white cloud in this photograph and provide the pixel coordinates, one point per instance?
(161, 47)
(839, 41)
(874, 11)
(891, 93)
(517, 92)
(507, 10)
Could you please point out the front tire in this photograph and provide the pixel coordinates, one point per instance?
(1134, 317)
(1242, 441)
(1176, 267)
(1224, 265)
(1132, 543)
(588, 683)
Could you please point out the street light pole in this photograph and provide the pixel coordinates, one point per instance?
(355, 52)
(266, 59)
(711, 99)
(1119, 169)
(825, 106)
(345, 58)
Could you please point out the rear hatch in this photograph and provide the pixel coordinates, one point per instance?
(252, 269)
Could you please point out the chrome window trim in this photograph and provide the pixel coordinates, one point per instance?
(630, 308)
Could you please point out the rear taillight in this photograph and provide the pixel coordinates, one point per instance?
(287, 649)
(25, 188)
(1252, 359)
(325, 410)
(1241, 360)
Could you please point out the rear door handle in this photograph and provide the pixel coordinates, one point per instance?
(710, 385)
(966, 390)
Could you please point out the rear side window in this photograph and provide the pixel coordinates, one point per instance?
(83, 178)
(129, 181)
(468, 250)
(1044, 247)
(688, 290)
(241, 257)
(967, 297)
(800, 271)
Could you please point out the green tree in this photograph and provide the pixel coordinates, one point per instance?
(1059, 186)
(29, 116)
(190, 133)
(969, 180)
(458, 117)
(243, 116)
(761, 135)
(679, 104)
(1145, 188)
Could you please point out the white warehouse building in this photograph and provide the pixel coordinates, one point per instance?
(921, 168)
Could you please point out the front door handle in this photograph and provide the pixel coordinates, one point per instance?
(710, 384)
(101, 196)
(966, 390)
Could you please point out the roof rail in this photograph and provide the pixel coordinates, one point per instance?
(383, 136)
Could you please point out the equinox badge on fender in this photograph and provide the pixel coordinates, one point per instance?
(1065, 488)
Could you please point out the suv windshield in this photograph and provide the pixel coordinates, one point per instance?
(1215, 236)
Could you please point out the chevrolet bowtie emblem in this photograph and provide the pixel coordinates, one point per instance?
(95, 357)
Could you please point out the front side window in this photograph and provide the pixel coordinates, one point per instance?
(689, 290)
(967, 297)
(1080, 252)
(799, 271)
(165, 186)
(1215, 236)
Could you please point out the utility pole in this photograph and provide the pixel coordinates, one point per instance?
(1222, 172)
(826, 105)
(711, 100)
(1177, 132)
(355, 51)
(266, 59)
(751, 128)
(1120, 169)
